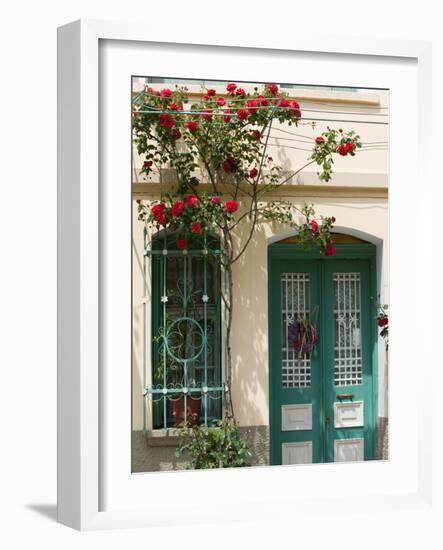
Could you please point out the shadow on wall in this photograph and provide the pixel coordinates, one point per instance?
(250, 334)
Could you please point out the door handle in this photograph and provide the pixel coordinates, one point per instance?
(342, 396)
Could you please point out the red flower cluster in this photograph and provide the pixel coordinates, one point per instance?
(319, 140)
(231, 88)
(196, 228)
(207, 114)
(147, 164)
(253, 173)
(227, 115)
(192, 126)
(383, 321)
(242, 114)
(252, 104)
(329, 250)
(215, 199)
(273, 88)
(314, 226)
(256, 134)
(228, 164)
(182, 244)
(345, 148)
(295, 108)
(159, 213)
(176, 134)
(165, 93)
(221, 101)
(231, 206)
(210, 92)
(177, 209)
(166, 120)
(192, 200)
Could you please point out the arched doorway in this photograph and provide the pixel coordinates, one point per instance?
(322, 352)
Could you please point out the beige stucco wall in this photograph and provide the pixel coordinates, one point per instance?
(358, 212)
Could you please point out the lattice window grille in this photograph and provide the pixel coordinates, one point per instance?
(295, 290)
(348, 364)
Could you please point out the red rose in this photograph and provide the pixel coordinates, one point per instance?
(177, 208)
(207, 114)
(284, 103)
(176, 134)
(158, 209)
(221, 101)
(182, 244)
(231, 206)
(263, 101)
(147, 164)
(159, 213)
(192, 200)
(192, 126)
(241, 92)
(227, 115)
(165, 93)
(242, 114)
(329, 250)
(138, 201)
(196, 228)
(349, 146)
(227, 166)
(319, 140)
(256, 134)
(296, 112)
(173, 106)
(383, 321)
(215, 199)
(210, 92)
(314, 226)
(273, 88)
(166, 120)
(231, 87)
(253, 173)
(333, 219)
(252, 104)
(341, 150)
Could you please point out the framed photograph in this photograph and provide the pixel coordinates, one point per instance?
(239, 314)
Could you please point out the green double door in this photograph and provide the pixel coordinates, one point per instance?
(322, 403)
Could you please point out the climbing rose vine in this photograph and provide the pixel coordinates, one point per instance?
(222, 140)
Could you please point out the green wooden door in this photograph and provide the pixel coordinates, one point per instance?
(322, 404)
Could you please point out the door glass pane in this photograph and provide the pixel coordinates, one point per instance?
(296, 366)
(348, 369)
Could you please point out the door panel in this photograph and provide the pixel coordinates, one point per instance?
(348, 393)
(321, 403)
(296, 402)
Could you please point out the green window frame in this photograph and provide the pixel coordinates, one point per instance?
(185, 353)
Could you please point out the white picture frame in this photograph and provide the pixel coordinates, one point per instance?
(95, 487)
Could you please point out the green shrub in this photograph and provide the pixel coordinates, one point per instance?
(216, 446)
